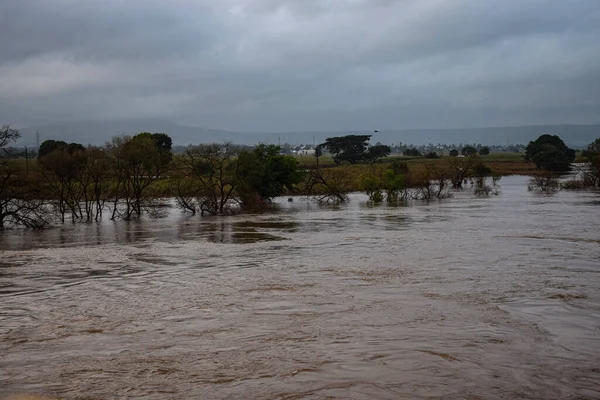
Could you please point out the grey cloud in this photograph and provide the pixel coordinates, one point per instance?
(301, 64)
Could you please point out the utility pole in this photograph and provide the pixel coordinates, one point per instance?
(26, 163)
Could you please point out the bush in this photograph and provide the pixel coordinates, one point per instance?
(412, 153)
(573, 184)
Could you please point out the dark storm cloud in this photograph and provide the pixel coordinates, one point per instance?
(301, 64)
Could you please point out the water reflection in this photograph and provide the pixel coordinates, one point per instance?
(471, 297)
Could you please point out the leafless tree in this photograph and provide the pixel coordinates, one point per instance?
(327, 185)
(20, 200)
(208, 179)
(460, 169)
(7, 135)
(137, 163)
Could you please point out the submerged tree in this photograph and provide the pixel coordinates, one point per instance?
(137, 163)
(20, 197)
(207, 178)
(266, 174)
(480, 173)
(388, 185)
(591, 169)
(550, 153)
(63, 170)
(545, 182)
(220, 179)
(460, 169)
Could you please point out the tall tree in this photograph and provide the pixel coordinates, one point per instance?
(7, 135)
(208, 178)
(267, 174)
(550, 153)
(63, 170)
(20, 199)
(350, 148)
(163, 142)
(468, 151)
(138, 162)
(378, 151)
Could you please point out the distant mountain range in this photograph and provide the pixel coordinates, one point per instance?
(98, 133)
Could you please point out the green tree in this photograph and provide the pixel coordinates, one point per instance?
(266, 174)
(388, 185)
(163, 142)
(48, 146)
(350, 148)
(550, 153)
(217, 179)
(481, 172)
(453, 153)
(412, 152)
(378, 151)
(468, 151)
(484, 151)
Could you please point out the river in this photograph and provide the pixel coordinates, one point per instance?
(470, 297)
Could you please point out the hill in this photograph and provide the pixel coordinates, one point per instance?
(99, 132)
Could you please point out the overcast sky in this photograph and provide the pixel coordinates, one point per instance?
(269, 65)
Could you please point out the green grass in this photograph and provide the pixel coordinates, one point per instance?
(501, 163)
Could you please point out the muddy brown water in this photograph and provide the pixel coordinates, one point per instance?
(491, 298)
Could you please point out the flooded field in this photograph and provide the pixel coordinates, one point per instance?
(475, 298)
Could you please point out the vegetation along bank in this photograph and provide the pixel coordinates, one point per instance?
(130, 175)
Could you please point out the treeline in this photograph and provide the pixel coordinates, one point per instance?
(129, 176)
(125, 178)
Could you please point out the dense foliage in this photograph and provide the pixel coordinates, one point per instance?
(550, 153)
(350, 149)
(129, 174)
(412, 153)
(220, 179)
(468, 151)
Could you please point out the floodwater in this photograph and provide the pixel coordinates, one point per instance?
(475, 298)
